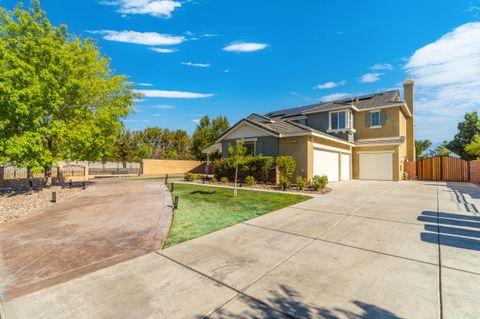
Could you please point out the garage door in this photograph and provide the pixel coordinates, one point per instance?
(376, 166)
(345, 167)
(326, 163)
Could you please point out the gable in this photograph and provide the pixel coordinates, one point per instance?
(245, 130)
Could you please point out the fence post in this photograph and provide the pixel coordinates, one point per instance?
(441, 168)
(175, 203)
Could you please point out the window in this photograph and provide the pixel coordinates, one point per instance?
(250, 146)
(341, 120)
(375, 118)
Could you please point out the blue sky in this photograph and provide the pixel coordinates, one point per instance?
(236, 57)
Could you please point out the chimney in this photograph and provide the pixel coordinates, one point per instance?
(408, 93)
(410, 133)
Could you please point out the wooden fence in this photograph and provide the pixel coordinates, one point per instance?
(443, 168)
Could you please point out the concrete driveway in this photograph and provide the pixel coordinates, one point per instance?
(366, 250)
(113, 221)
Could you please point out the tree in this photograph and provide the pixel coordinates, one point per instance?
(207, 132)
(473, 148)
(59, 99)
(441, 150)
(421, 146)
(467, 130)
(236, 155)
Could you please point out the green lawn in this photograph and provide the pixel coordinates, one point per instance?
(202, 210)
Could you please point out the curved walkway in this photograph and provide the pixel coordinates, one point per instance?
(115, 220)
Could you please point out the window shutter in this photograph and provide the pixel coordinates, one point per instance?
(383, 117)
(368, 119)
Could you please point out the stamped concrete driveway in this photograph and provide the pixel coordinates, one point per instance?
(366, 250)
(115, 220)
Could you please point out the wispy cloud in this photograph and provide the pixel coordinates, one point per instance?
(156, 8)
(163, 106)
(330, 85)
(475, 10)
(196, 121)
(333, 97)
(370, 77)
(245, 47)
(300, 95)
(447, 76)
(381, 66)
(174, 94)
(163, 50)
(143, 38)
(144, 84)
(198, 65)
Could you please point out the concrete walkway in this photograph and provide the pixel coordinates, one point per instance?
(113, 221)
(366, 250)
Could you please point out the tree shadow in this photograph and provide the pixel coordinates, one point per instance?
(203, 192)
(453, 230)
(286, 302)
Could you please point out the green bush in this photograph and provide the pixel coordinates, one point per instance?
(224, 180)
(301, 182)
(286, 166)
(213, 180)
(190, 177)
(250, 180)
(284, 183)
(260, 167)
(319, 183)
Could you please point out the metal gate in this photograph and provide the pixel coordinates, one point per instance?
(443, 168)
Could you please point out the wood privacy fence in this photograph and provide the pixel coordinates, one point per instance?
(172, 167)
(443, 168)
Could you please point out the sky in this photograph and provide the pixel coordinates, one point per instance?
(211, 57)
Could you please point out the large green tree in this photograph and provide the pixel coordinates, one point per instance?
(474, 147)
(207, 132)
(467, 130)
(421, 146)
(59, 98)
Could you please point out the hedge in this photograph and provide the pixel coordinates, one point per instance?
(262, 168)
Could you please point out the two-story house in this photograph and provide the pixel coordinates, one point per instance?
(364, 137)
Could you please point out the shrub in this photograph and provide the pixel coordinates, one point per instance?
(190, 177)
(286, 166)
(301, 182)
(224, 180)
(250, 180)
(319, 183)
(260, 167)
(284, 183)
(213, 180)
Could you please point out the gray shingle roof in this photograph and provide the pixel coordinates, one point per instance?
(360, 102)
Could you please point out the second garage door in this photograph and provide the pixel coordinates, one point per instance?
(376, 166)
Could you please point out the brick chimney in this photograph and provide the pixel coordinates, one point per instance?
(408, 96)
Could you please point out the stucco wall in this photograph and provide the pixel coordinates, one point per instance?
(297, 147)
(321, 122)
(395, 158)
(390, 119)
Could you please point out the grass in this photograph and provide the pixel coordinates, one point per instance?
(202, 209)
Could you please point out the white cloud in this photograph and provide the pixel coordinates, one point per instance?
(306, 98)
(245, 47)
(370, 77)
(226, 70)
(163, 106)
(475, 10)
(333, 97)
(156, 8)
(198, 65)
(196, 121)
(174, 94)
(447, 79)
(163, 50)
(144, 84)
(144, 38)
(381, 66)
(330, 85)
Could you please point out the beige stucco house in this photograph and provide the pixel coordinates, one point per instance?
(365, 137)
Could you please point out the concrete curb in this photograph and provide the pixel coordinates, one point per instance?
(167, 214)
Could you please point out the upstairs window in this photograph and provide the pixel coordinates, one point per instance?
(341, 120)
(375, 118)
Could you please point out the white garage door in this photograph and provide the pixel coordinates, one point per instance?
(345, 166)
(376, 166)
(326, 163)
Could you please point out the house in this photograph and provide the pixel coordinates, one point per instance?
(366, 137)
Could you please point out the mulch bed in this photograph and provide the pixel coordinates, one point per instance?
(272, 187)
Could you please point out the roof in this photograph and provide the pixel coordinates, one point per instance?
(217, 147)
(359, 102)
